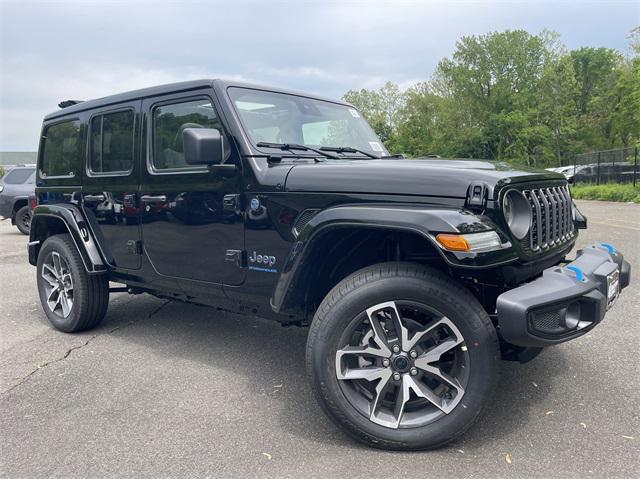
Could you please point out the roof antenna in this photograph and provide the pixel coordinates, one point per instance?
(68, 103)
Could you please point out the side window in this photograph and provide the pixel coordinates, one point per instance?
(18, 176)
(62, 152)
(169, 121)
(112, 143)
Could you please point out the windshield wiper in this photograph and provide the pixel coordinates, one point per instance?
(295, 146)
(348, 149)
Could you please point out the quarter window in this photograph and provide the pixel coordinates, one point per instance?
(112, 142)
(170, 121)
(62, 153)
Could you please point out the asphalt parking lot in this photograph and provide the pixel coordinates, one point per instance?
(172, 390)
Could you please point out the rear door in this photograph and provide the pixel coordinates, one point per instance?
(190, 215)
(110, 186)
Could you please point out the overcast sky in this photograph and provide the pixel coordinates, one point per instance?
(50, 51)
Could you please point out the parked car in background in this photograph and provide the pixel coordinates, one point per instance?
(569, 172)
(16, 186)
(610, 172)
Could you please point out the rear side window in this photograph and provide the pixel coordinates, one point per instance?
(18, 176)
(112, 143)
(62, 152)
(169, 121)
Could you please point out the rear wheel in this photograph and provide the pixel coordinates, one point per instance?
(72, 299)
(402, 357)
(23, 220)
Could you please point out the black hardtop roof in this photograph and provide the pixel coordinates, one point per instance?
(167, 89)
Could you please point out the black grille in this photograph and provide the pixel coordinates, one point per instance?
(302, 220)
(547, 321)
(552, 220)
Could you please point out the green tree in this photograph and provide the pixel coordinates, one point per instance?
(626, 94)
(557, 92)
(496, 77)
(380, 107)
(513, 96)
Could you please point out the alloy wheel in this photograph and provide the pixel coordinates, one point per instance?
(58, 284)
(402, 364)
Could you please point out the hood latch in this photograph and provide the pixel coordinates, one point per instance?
(477, 196)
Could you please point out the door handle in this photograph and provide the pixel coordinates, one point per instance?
(153, 199)
(94, 198)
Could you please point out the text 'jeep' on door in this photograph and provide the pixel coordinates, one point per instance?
(415, 277)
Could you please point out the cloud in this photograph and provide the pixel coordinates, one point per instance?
(50, 51)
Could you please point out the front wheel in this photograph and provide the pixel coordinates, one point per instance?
(402, 357)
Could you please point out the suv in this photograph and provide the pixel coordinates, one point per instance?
(15, 188)
(415, 277)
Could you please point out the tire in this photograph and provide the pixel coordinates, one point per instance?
(424, 301)
(87, 295)
(22, 220)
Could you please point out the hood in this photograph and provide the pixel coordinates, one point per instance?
(424, 177)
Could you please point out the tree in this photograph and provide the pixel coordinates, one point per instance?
(558, 110)
(626, 114)
(380, 108)
(513, 96)
(495, 77)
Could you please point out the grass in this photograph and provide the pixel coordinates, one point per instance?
(608, 192)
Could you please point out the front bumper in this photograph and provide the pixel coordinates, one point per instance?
(567, 301)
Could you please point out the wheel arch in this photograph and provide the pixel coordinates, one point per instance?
(342, 239)
(336, 252)
(49, 220)
(19, 203)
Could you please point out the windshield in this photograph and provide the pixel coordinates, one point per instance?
(269, 117)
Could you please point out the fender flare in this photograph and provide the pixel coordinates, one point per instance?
(78, 229)
(425, 221)
(14, 210)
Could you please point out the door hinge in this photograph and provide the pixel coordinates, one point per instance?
(237, 256)
(134, 247)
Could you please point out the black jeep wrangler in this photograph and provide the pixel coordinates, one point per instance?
(415, 276)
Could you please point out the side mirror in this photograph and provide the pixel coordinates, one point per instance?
(202, 146)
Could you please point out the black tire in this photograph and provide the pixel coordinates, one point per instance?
(411, 283)
(90, 293)
(22, 220)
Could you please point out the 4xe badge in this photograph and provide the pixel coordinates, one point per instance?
(266, 262)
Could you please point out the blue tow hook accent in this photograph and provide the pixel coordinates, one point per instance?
(577, 271)
(609, 247)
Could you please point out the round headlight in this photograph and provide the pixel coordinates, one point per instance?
(517, 213)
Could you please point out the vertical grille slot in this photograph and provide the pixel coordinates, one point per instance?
(551, 217)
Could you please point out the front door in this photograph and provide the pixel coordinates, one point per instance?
(110, 184)
(190, 214)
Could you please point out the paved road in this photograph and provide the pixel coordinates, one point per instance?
(171, 390)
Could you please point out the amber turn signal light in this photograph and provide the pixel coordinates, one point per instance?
(453, 242)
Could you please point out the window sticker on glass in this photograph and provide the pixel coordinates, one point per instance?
(375, 146)
(354, 113)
